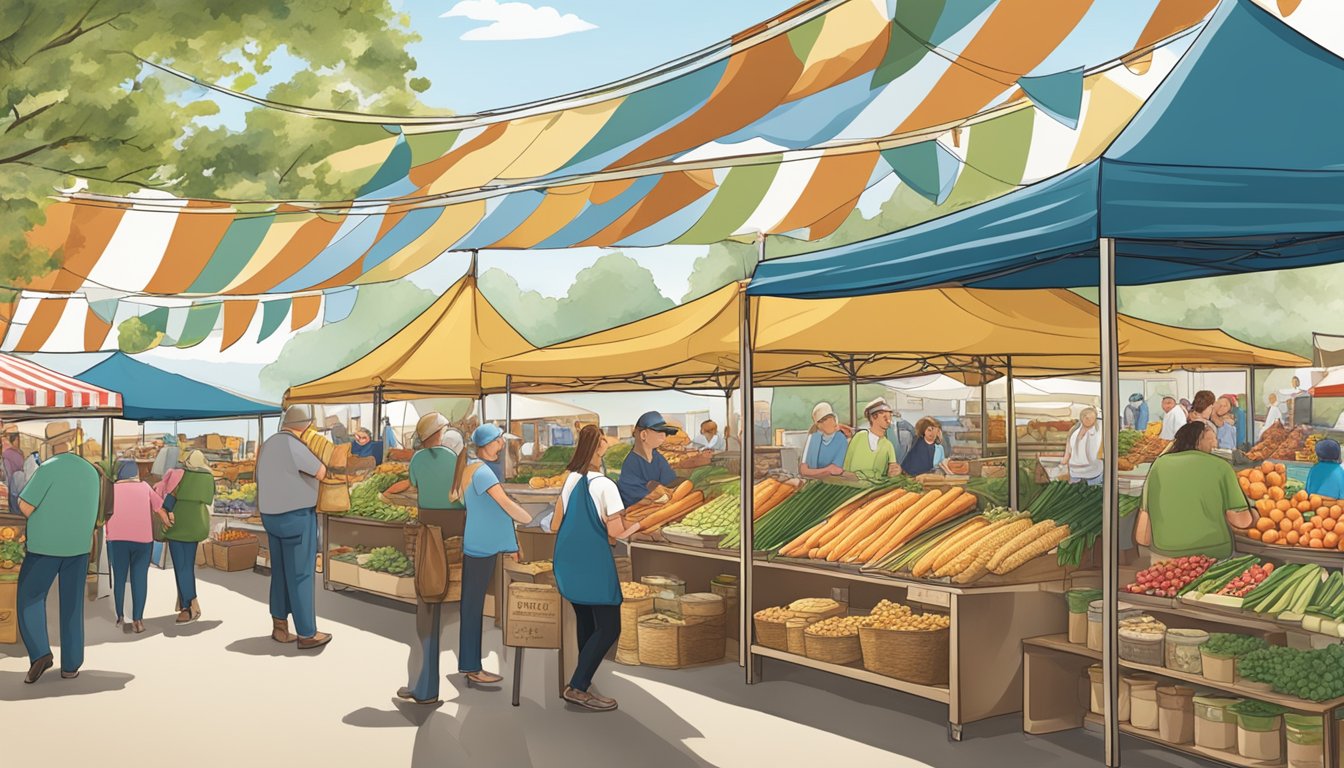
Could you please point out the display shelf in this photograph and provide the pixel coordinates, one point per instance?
(840, 572)
(344, 586)
(1327, 558)
(1219, 755)
(1060, 643)
(709, 554)
(1219, 614)
(932, 693)
(355, 520)
(246, 526)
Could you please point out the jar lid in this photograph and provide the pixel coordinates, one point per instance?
(1188, 635)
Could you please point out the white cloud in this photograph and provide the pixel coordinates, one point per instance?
(515, 21)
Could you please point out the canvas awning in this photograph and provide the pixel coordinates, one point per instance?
(969, 334)
(29, 391)
(1199, 184)
(438, 354)
(153, 394)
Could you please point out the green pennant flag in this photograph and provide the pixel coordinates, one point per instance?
(273, 313)
(201, 321)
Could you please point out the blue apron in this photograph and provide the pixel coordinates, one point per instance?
(585, 572)
(919, 459)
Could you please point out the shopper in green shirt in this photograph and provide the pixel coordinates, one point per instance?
(870, 453)
(61, 503)
(1190, 498)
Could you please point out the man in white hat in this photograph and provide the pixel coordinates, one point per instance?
(431, 473)
(827, 445)
(287, 481)
(870, 453)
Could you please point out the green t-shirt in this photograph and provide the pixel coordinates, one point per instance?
(860, 457)
(432, 475)
(1188, 495)
(64, 491)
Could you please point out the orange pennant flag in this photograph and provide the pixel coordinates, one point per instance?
(237, 317)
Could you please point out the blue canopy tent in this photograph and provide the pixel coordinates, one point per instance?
(1235, 164)
(153, 394)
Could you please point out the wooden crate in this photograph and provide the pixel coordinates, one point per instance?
(235, 557)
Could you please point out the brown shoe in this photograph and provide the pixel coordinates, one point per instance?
(36, 670)
(405, 693)
(280, 632)
(483, 678)
(69, 675)
(184, 617)
(195, 609)
(316, 641)
(588, 700)
(138, 626)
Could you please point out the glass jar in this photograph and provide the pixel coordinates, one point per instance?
(1305, 735)
(1143, 705)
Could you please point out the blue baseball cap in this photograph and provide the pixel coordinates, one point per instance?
(655, 421)
(488, 433)
(1327, 450)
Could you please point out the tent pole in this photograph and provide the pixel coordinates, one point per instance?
(261, 435)
(1250, 406)
(377, 410)
(1010, 432)
(853, 399)
(1110, 540)
(508, 419)
(984, 414)
(747, 440)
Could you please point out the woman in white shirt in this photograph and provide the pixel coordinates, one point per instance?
(586, 514)
(1082, 457)
(1273, 415)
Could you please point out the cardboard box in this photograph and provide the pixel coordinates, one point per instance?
(535, 544)
(532, 616)
(9, 614)
(235, 557)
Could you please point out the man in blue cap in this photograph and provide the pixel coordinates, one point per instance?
(1327, 477)
(645, 468)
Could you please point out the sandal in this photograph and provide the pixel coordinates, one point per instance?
(482, 678)
(138, 626)
(588, 700)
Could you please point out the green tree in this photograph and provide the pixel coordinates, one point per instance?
(134, 336)
(724, 263)
(613, 291)
(380, 311)
(78, 103)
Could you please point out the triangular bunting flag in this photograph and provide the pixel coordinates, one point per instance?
(237, 317)
(273, 313)
(339, 305)
(927, 167)
(96, 328)
(105, 309)
(201, 320)
(304, 310)
(177, 321)
(394, 168)
(1059, 95)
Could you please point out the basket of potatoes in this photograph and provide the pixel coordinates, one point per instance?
(900, 643)
(834, 640)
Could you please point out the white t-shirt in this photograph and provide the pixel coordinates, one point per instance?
(1272, 416)
(606, 497)
(1172, 421)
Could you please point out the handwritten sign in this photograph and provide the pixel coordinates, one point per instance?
(533, 616)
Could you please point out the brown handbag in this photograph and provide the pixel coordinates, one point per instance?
(431, 565)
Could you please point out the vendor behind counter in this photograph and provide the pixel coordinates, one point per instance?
(1190, 499)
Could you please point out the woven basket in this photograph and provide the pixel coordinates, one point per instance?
(702, 640)
(834, 650)
(915, 656)
(454, 583)
(700, 605)
(793, 630)
(629, 658)
(659, 643)
(772, 634)
(625, 571)
(730, 605)
(632, 609)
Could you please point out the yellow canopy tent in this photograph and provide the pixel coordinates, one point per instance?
(438, 354)
(968, 333)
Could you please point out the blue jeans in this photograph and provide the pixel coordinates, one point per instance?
(293, 542)
(424, 664)
(184, 571)
(476, 575)
(36, 576)
(130, 559)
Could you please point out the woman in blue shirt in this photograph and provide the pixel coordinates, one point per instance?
(1327, 477)
(489, 532)
(824, 455)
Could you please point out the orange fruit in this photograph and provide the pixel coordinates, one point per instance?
(1255, 534)
(1264, 524)
(1256, 476)
(1266, 467)
(1315, 500)
(1273, 478)
(1336, 511)
(1280, 469)
(1258, 490)
(1270, 537)
(1325, 522)
(1284, 505)
(1292, 538)
(1315, 544)
(1244, 483)
(1285, 525)
(1275, 492)
(1304, 506)
(1294, 514)
(1301, 496)
(1276, 515)
(1316, 533)
(1331, 540)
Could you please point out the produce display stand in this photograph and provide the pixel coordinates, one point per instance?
(351, 531)
(1054, 699)
(698, 566)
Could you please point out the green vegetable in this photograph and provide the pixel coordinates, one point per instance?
(1230, 644)
(804, 509)
(389, 560)
(1219, 574)
(1312, 675)
(1128, 439)
(12, 551)
(366, 499)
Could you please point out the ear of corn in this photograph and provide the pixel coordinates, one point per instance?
(1040, 546)
(980, 557)
(928, 562)
(1019, 541)
(962, 559)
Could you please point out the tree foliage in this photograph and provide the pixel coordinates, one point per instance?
(134, 336)
(78, 103)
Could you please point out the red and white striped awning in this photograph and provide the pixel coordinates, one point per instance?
(26, 385)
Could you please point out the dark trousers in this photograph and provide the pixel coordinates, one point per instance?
(36, 576)
(184, 571)
(599, 626)
(130, 560)
(476, 575)
(293, 540)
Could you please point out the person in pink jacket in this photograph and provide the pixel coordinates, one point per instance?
(130, 540)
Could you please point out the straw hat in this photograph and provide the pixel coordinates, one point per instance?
(297, 416)
(430, 425)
